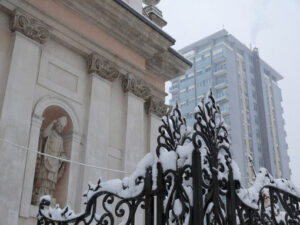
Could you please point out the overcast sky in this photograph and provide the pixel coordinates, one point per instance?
(271, 25)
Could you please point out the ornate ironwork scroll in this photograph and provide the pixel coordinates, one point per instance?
(194, 180)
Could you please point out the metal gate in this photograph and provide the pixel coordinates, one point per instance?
(193, 181)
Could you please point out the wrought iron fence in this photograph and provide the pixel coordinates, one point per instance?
(194, 181)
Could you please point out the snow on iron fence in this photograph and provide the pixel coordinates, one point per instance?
(193, 181)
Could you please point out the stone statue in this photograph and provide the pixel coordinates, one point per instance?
(49, 170)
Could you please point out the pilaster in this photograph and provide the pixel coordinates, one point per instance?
(136, 93)
(36, 124)
(15, 120)
(135, 147)
(74, 180)
(156, 109)
(102, 72)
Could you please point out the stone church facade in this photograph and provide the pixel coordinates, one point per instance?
(82, 81)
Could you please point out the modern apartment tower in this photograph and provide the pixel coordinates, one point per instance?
(245, 87)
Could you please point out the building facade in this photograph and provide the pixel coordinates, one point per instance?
(81, 81)
(246, 89)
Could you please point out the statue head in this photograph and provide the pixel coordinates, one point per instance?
(61, 124)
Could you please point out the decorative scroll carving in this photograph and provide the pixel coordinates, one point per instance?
(30, 27)
(135, 85)
(103, 67)
(157, 106)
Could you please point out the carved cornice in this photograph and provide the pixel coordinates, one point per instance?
(103, 67)
(30, 27)
(156, 106)
(131, 83)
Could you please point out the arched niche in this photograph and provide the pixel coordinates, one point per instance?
(60, 102)
(51, 109)
(57, 142)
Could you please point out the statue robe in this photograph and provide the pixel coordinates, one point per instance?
(49, 170)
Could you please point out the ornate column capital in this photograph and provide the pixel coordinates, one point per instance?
(29, 26)
(134, 84)
(103, 67)
(157, 106)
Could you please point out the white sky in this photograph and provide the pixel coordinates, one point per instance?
(271, 25)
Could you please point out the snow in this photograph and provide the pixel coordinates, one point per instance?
(168, 159)
(250, 196)
(46, 198)
(128, 187)
(154, 176)
(185, 154)
(60, 214)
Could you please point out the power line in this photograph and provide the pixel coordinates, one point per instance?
(61, 159)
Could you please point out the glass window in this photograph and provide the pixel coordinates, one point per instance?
(191, 87)
(183, 103)
(221, 79)
(189, 54)
(199, 58)
(207, 55)
(190, 75)
(199, 72)
(183, 90)
(207, 69)
(221, 93)
(255, 107)
(217, 51)
(252, 69)
(220, 66)
(205, 83)
(224, 107)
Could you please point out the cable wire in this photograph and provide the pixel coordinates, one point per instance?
(62, 159)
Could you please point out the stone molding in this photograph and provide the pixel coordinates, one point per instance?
(37, 121)
(156, 106)
(103, 67)
(30, 27)
(134, 84)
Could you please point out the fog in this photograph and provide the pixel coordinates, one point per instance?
(271, 25)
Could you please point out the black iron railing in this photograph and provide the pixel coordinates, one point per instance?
(194, 181)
